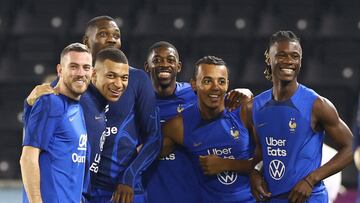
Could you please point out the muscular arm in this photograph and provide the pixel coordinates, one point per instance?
(30, 172)
(325, 116)
(173, 133)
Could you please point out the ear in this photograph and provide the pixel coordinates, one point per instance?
(94, 77)
(146, 67)
(193, 84)
(180, 66)
(58, 69)
(86, 40)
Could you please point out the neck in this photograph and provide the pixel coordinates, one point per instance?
(165, 91)
(210, 113)
(62, 89)
(283, 91)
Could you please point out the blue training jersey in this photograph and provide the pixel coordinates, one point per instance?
(291, 149)
(226, 137)
(94, 106)
(172, 178)
(55, 124)
(131, 121)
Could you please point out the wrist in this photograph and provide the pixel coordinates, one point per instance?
(254, 171)
(311, 178)
(308, 182)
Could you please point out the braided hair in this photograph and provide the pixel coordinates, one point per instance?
(277, 37)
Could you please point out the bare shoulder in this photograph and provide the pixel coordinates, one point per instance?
(324, 114)
(324, 108)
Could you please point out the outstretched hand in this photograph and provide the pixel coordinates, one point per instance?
(258, 186)
(123, 194)
(39, 91)
(235, 97)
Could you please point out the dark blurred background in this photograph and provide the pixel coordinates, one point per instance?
(33, 33)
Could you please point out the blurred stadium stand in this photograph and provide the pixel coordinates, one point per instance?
(33, 32)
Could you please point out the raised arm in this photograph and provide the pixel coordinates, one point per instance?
(40, 90)
(234, 98)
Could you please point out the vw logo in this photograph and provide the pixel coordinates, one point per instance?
(276, 169)
(227, 177)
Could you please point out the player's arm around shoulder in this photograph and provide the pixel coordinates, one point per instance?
(39, 91)
(173, 133)
(325, 117)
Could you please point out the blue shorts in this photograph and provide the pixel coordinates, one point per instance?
(104, 196)
(316, 197)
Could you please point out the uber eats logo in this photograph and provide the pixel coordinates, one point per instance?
(275, 148)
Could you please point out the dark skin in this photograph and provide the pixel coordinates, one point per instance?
(285, 62)
(210, 81)
(163, 64)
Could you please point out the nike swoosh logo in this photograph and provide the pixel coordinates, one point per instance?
(261, 125)
(197, 144)
(98, 117)
(71, 119)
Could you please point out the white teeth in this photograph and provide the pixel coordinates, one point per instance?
(164, 74)
(213, 96)
(115, 92)
(287, 70)
(80, 82)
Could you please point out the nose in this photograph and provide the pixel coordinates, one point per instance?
(81, 71)
(118, 82)
(215, 86)
(163, 63)
(111, 39)
(289, 59)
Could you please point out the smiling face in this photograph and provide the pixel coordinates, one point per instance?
(285, 60)
(211, 84)
(104, 34)
(111, 79)
(75, 71)
(163, 64)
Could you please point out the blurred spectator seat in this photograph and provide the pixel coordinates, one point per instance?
(231, 50)
(285, 15)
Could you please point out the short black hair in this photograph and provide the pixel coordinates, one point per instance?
(282, 35)
(162, 44)
(77, 47)
(208, 60)
(92, 23)
(112, 54)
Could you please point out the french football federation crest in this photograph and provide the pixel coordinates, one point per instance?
(180, 108)
(234, 133)
(292, 125)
